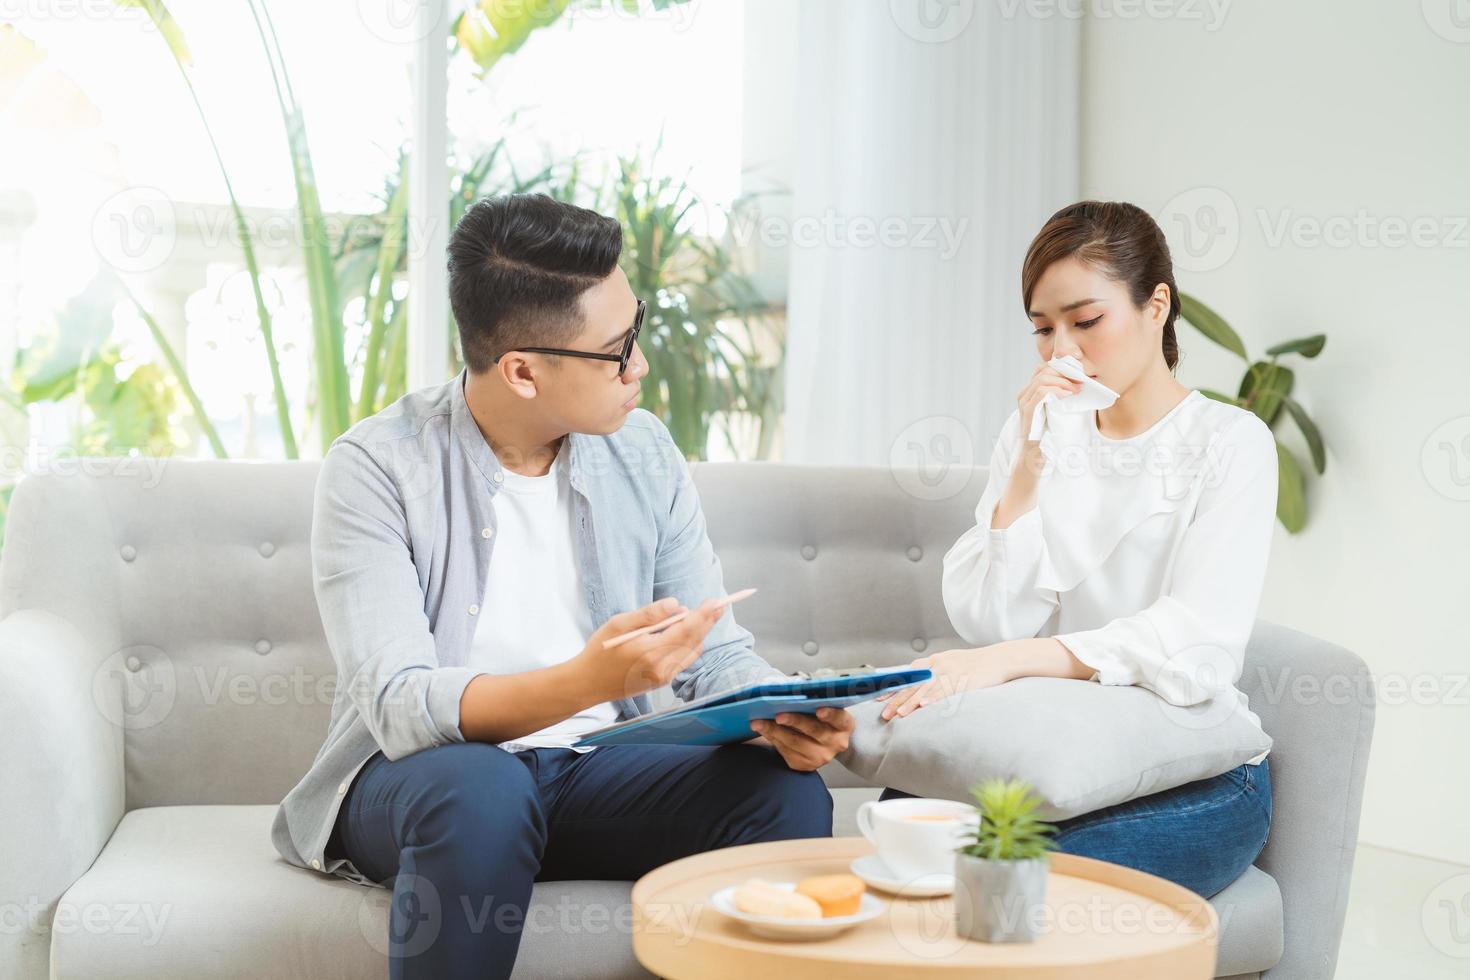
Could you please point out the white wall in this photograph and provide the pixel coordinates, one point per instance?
(1343, 117)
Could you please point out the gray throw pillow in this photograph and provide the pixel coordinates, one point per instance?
(1082, 745)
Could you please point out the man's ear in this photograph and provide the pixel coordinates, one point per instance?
(519, 374)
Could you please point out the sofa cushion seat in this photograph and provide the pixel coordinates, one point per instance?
(1252, 930)
(198, 891)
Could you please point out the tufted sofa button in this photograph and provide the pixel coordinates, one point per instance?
(808, 551)
(919, 644)
(134, 664)
(267, 549)
(128, 552)
(262, 646)
(915, 553)
(810, 648)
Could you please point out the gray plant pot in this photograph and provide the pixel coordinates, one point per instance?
(999, 901)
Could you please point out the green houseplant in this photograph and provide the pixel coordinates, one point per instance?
(1000, 875)
(1266, 391)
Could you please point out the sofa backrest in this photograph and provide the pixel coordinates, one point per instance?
(848, 559)
(192, 583)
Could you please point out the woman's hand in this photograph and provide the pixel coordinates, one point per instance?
(958, 671)
(955, 671)
(1045, 380)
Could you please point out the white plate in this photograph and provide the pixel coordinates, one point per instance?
(874, 872)
(779, 927)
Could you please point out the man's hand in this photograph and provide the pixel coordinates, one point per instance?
(645, 662)
(806, 742)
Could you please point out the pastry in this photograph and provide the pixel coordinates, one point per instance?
(836, 894)
(759, 897)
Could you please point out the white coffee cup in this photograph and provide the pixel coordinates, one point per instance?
(917, 837)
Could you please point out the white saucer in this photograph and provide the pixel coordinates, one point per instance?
(780, 927)
(874, 872)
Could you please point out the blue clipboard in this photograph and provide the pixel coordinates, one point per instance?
(725, 717)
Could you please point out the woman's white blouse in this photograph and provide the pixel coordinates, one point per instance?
(1144, 556)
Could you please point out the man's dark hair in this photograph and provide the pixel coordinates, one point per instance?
(517, 266)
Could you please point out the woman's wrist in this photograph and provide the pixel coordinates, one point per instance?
(1043, 656)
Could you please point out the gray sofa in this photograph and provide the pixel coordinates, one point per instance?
(164, 681)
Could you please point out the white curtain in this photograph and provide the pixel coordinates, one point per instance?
(949, 128)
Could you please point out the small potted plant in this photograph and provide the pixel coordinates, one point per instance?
(1000, 876)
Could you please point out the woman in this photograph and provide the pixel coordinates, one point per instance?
(1126, 545)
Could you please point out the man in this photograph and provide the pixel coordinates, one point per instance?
(473, 546)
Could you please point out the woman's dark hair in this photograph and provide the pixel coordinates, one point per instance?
(1118, 239)
(517, 266)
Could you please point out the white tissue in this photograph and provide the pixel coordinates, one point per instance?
(1093, 396)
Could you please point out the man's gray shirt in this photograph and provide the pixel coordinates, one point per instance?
(403, 532)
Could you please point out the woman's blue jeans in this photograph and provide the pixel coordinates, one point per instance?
(1202, 835)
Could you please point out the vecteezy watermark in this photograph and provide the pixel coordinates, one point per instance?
(136, 687)
(36, 459)
(423, 910)
(403, 21)
(63, 10)
(933, 458)
(416, 924)
(926, 928)
(1450, 19)
(932, 21)
(831, 230)
(142, 919)
(1210, 13)
(136, 229)
(1203, 228)
(1445, 917)
(1194, 686)
(1363, 229)
(1445, 458)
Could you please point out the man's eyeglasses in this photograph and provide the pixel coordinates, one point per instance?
(622, 358)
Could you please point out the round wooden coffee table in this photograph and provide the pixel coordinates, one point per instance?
(1102, 922)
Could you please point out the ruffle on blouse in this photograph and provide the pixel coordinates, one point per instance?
(1099, 490)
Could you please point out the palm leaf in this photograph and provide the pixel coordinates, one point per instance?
(1309, 432)
(173, 36)
(1211, 324)
(1305, 346)
(1291, 495)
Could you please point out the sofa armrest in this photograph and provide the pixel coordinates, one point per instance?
(61, 766)
(1316, 701)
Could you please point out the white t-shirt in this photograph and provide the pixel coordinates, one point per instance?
(534, 613)
(1145, 557)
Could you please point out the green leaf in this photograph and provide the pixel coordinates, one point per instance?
(182, 377)
(1305, 346)
(1211, 324)
(52, 370)
(173, 36)
(1263, 388)
(1309, 432)
(1218, 396)
(492, 29)
(1291, 495)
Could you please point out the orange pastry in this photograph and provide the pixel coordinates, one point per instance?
(836, 894)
